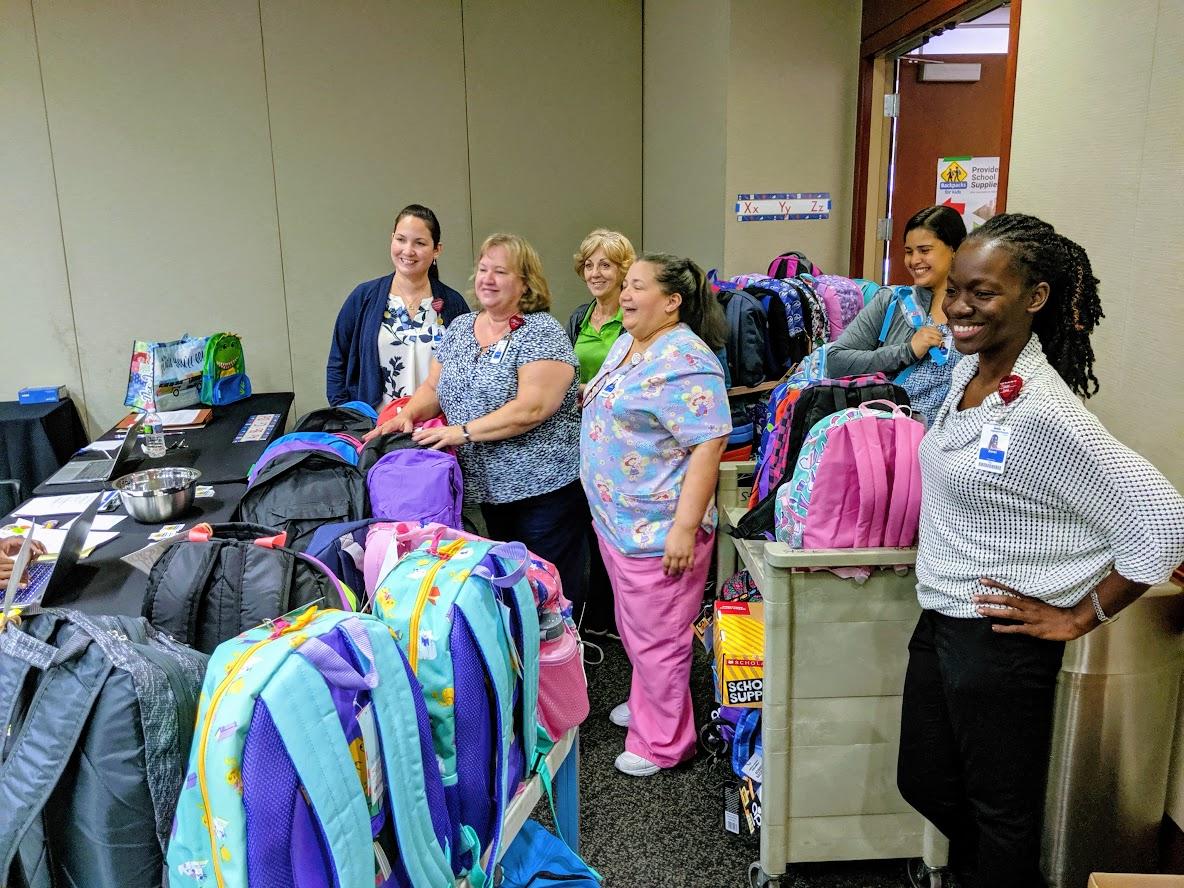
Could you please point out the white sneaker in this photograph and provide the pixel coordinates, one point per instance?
(635, 766)
(620, 715)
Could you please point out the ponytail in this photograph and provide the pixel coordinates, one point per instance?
(700, 309)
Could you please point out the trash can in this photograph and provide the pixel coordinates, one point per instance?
(1115, 719)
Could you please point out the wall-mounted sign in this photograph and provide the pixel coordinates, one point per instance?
(782, 206)
(969, 185)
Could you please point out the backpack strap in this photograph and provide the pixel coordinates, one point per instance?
(327, 774)
(394, 698)
(904, 509)
(52, 727)
(873, 480)
(172, 606)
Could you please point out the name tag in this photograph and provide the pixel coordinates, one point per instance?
(498, 351)
(992, 448)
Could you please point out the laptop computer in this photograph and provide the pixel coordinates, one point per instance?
(103, 466)
(50, 576)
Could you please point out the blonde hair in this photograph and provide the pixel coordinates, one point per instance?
(524, 262)
(616, 247)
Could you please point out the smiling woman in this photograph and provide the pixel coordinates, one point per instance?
(388, 328)
(505, 379)
(1036, 527)
(888, 338)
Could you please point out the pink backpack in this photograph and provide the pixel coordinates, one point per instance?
(563, 685)
(857, 482)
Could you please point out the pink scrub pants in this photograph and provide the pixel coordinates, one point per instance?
(654, 617)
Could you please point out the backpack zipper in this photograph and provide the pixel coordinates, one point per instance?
(207, 723)
(425, 587)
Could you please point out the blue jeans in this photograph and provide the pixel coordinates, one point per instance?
(553, 526)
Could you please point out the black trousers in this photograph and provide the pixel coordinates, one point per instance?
(599, 606)
(553, 526)
(975, 737)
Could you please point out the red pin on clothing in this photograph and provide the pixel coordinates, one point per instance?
(1009, 388)
(438, 305)
(516, 321)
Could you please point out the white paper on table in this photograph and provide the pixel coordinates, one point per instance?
(143, 559)
(63, 504)
(104, 446)
(178, 417)
(53, 537)
(101, 522)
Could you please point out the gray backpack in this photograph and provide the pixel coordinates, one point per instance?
(99, 714)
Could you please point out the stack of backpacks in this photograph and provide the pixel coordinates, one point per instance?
(339, 687)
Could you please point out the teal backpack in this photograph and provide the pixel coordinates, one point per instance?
(465, 614)
(312, 764)
(224, 371)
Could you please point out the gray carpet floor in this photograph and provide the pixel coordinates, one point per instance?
(667, 831)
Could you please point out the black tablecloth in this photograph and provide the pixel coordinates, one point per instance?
(211, 450)
(35, 441)
(103, 584)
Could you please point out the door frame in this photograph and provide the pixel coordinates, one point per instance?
(873, 130)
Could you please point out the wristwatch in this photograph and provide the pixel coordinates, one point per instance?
(464, 430)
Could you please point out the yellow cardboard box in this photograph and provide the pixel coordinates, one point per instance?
(738, 634)
(1132, 880)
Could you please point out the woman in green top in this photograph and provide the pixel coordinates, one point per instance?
(601, 263)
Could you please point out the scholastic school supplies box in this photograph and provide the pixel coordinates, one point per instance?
(738, 640)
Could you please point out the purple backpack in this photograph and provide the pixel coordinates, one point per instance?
(416, 484)
(842, 297)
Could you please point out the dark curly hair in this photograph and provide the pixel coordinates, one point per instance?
(700, 310)
(1064, 324)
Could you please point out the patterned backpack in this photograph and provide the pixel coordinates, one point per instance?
(312, 764)
(464, 612)
(857, 482)
(842, 297)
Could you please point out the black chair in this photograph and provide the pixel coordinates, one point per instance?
(10, 495)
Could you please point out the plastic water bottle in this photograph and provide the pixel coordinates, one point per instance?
(153, 432)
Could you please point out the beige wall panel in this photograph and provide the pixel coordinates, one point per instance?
(367, 103)
(39, 343)
(1150, 389)
(686, 95)
(793, 85)
(1091, 175)
(554, 105)
(158, 118)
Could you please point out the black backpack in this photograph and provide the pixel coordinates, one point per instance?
(335, 419)
(748, 337)
(300, 490)
(99, 714)
(380, 445)
(791, 264)
(814, 403)
(228, 579)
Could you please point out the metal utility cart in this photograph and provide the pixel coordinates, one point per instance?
(835, 658)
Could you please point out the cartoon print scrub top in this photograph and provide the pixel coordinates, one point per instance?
(640, 421)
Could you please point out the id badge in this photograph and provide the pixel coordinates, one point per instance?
(992, 448)
(498, 351)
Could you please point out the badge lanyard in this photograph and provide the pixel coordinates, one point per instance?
(609, 380)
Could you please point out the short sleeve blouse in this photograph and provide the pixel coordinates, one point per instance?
(640, 422)
(474, 383)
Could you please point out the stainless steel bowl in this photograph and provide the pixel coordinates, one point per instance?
(155, 496)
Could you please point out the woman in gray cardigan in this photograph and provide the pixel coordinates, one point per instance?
(908, 342)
